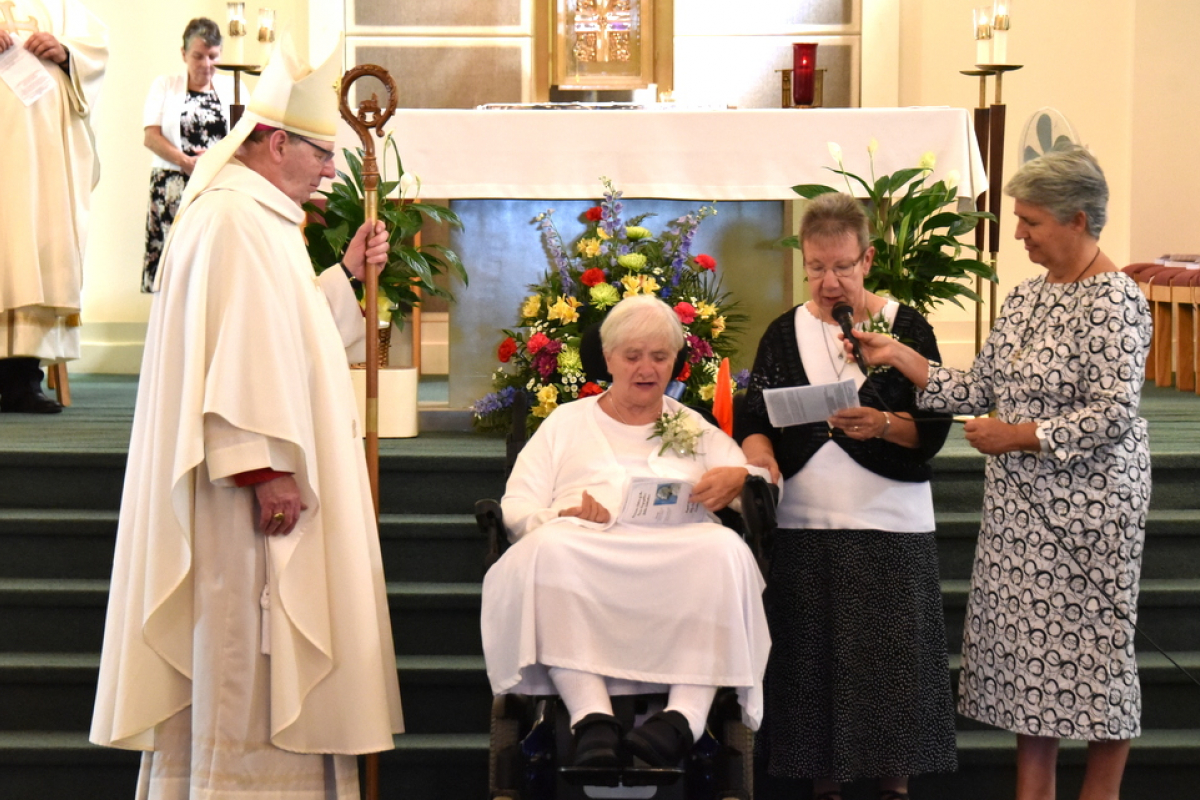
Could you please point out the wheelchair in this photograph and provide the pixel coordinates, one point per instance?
(530, 735)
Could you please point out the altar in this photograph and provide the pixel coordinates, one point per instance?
(500, 168)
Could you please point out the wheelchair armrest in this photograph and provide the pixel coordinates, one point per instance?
(759, 498)
(490, 518)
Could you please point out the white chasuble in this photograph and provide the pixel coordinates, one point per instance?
(49, 170)
(242, 331)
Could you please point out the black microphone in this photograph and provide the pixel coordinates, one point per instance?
(843, 314)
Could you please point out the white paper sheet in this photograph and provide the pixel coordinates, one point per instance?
(797, 405)
(658, 501)
(24, 73)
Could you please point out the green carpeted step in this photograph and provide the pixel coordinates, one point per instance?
(56, 691)
(39, 765)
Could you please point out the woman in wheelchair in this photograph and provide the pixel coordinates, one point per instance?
(594, 598)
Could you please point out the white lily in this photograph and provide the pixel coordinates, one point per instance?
(835, 150)
(872, 146)
(928, 161)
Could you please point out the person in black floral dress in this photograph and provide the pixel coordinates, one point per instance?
(1048, 646)
(183, 117)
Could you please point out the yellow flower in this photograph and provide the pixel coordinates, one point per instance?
(531, 307)
(872, 146)
(589, 248)
(928, 161)
(603, 234)
(564, 310)
(547, 401)
(718, 327)
(707, 391)
(705, 310)
(640, 284)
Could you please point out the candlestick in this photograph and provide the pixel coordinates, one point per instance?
(235, 48)
(266, 33)
(1001, 22)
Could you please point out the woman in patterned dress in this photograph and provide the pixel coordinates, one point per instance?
(184, 116)
(858, 684)
(1048, 646)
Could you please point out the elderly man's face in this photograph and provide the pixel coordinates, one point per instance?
(305, 163)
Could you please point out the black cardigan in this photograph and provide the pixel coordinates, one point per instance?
(778, 364)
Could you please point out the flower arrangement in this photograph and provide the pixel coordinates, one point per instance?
(613, 258)
(915, 227)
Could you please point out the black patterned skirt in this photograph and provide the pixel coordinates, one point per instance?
(166, 190)
(858, 684)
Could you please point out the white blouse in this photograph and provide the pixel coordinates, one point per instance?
(832, 491)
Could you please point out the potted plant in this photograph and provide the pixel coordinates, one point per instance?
(411, 271)
(915, 230)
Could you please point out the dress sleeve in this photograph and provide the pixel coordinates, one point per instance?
(956, 391)
(230, 451)
(1113, 352)
(752, 414)
(347, 313)
(529, 493)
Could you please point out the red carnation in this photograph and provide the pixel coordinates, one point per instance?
(592, 276)
(507, 349)
(686, 313)
(705, 261)
(684, 373)
(594, 213)
(537, 342)
(589, 389)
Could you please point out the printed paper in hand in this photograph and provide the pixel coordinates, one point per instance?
(24, 73)
(797, 405)
(657, 501)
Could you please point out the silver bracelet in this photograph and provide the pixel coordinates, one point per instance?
(887, 425)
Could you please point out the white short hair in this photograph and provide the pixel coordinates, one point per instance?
(641, 317)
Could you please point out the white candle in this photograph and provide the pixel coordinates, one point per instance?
(981, 20)
(999, 47)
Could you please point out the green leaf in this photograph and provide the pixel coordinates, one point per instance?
(811, 190)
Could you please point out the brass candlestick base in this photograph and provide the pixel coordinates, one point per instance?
(236, 107)
(818, 89)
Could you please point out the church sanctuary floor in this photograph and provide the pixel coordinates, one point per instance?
(60, 483)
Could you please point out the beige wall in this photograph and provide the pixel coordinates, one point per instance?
(144, 41)
(1103, 63)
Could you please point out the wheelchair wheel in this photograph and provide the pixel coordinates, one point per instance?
(505, 749)
(737, 737)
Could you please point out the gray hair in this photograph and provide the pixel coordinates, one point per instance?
(641, 317)
(832, 216)
(202, 28)
(1064, 182)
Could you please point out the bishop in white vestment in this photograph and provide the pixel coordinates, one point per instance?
(248, 647)
(50, 168)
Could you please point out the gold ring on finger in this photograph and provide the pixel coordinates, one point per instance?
(278, 516)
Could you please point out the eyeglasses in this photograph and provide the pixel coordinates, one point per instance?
(840, 271)
(326, 155)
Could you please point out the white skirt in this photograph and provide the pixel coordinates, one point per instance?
(645, 607)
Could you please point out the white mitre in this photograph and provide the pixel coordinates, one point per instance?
(290, 95)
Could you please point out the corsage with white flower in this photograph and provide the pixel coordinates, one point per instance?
(877, 324)
(679, 431)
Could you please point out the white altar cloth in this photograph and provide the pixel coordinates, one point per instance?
(747, 154)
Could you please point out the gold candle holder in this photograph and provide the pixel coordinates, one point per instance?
(785, 99)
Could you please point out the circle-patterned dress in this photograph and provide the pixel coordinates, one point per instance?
(1044, 653)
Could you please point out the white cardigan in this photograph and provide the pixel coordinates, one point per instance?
(570, 454)
(164, 107)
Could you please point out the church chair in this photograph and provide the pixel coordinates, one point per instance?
(56, 379)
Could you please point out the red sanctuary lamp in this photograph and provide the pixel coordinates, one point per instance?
(804, 70)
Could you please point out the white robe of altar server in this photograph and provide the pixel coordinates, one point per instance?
(46, 179)
(644, 606)
(245, 365)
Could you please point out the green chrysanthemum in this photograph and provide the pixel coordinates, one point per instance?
(635, 232)
(569, 362)
(632, 261)
(604, 295)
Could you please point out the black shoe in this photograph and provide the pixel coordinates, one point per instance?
(595, 741)
(661, 741)
(30, 403)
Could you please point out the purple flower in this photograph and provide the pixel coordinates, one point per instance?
(546, 360)
(742, 379)
(700, 349)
